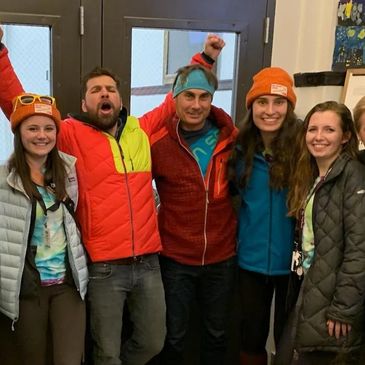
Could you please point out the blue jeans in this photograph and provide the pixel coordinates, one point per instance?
(140, 286)
(211, 286)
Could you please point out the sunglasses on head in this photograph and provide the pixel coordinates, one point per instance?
(29, 99)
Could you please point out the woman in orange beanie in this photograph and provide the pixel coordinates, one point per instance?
(43, 269)
(260, 169)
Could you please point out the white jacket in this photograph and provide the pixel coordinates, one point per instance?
(15, 219)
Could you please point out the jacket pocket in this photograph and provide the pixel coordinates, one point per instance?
(221, 176)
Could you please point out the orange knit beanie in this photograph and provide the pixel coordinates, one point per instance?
(27, 104)
(271, 81)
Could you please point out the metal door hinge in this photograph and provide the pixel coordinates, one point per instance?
(82, 25)
(266, 30)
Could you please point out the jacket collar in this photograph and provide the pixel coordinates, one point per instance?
(227, 129)
(84, 118)
(338, 166)
(15, 182)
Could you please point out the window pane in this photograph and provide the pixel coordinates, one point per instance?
(29, 51)
(158, 53)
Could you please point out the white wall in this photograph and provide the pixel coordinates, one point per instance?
(304, 34)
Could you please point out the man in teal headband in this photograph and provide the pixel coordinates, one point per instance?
(196, 220)
(193, 92)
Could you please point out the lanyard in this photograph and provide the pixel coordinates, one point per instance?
(54, 207)
(311, 193)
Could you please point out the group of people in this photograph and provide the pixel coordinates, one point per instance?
(78, 220)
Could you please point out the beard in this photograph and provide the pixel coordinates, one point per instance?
(104, 123)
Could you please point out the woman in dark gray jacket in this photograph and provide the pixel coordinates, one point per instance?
(327, 197)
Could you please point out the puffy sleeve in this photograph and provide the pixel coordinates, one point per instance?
(348, 299)
(10, 85)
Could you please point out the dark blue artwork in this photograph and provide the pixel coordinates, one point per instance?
(349, 49)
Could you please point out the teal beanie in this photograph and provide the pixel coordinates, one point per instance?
(196, 79)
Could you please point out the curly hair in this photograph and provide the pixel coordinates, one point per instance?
(250, 142)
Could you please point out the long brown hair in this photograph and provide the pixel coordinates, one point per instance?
(249, 142)
(55, 170)
(306, 170)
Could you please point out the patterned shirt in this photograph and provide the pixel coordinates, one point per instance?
(308, 234)
(50, 240)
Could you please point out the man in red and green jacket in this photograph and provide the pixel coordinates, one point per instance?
(197, 223)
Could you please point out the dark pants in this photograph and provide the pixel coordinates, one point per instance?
(256, 297)
(57, 316)
(211, 286)
(138, 285)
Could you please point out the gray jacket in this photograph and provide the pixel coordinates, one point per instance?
(15, 220)
(334, 287)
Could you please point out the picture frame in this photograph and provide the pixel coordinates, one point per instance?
(354, 87)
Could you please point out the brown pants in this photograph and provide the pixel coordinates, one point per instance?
(56, 317)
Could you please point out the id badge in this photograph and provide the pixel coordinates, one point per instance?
(297, 262)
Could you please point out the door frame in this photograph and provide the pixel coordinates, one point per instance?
(252, 51)
(62, 39)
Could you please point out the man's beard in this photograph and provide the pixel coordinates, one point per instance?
(104, 122)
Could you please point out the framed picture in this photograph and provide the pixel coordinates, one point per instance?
(354, 87)
(349, 51)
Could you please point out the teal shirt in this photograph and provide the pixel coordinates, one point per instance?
(202, 143)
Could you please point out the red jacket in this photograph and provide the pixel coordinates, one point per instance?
(116, 207)
(196, 220)
(10, 86)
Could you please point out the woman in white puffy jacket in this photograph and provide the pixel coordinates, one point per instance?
(43, 267)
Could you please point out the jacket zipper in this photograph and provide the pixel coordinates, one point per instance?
(129, 197)
(71, 257)
(205, 225)
(206, 189)
(270, 235)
